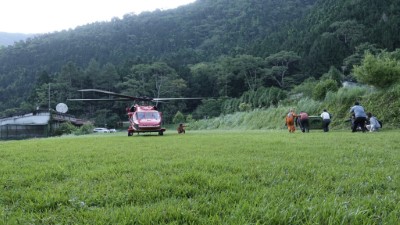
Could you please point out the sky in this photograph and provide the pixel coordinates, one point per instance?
(46, 16)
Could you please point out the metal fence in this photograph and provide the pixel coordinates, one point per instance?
(16, 131)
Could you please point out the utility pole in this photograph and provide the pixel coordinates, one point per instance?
(49, 97)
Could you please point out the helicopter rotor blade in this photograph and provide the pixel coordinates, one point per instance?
(123, 97)
(166, 99)
(128, 97)
(100, 99)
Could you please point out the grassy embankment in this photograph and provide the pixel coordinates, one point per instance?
(203, 177)
(384, 104)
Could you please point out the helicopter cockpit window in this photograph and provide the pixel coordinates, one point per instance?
(155, 115)
(140, 115)
(148, 115)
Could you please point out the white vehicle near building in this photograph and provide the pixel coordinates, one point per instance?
(101, 130)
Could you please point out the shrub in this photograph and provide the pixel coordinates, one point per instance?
(208, 108)
(244, 107)
(65, 128)
(323, 87)
(189, 118)
(84, 129)
(310, 106)
(178, 118)
(306, 88)
(379, 71)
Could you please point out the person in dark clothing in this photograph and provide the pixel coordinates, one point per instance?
(181, 129)
(304, 123)
(360, 117)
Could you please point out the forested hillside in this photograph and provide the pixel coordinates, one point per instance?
(10, 38)
(225, 49)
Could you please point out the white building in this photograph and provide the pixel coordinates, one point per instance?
(36, 124)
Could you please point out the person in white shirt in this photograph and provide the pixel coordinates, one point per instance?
(326, 120)
(374, 124)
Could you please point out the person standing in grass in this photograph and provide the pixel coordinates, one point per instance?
(305, 126)
(326, 120)
(290, 118)
(360, 117)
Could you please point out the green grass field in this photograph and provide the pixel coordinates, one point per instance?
(203, 177)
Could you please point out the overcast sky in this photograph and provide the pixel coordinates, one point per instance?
(44, 16)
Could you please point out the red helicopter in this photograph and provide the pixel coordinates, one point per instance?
(142, 119)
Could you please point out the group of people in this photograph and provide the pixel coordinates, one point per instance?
(302, 120)
(360, 120)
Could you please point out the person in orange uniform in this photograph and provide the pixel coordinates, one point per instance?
(290, 119)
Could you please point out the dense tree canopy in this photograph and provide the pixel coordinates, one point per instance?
(380, 71)
(235, 49)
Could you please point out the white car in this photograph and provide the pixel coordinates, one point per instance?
(112, 130)
(101, 130)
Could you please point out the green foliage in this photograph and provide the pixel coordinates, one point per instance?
(270, 97)
(357, 57)
(65, 128)
(204, 79)
(240, 50)
(271, 118)
(261, 98)
(84, 129)
(305, 89)
(335, 75)
(105, 118)
(9, 112)
(208, 108)
(248, 69)
(323, 87)
(312, 107)
(7, 39)
(280, 67)
(230, 105)
(338, 103)
(154, 80)
(385, 105)
(178, 118)
(101, 55)
(244, 107)
(349, 32)
(189, 118)
(380, 71)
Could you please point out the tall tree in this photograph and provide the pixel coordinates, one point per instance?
(280, 66)
(204, 80)
(153, 80)
(94, 75)
(349, 32)
(248, 68)
(66, 82)
(108, 77)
